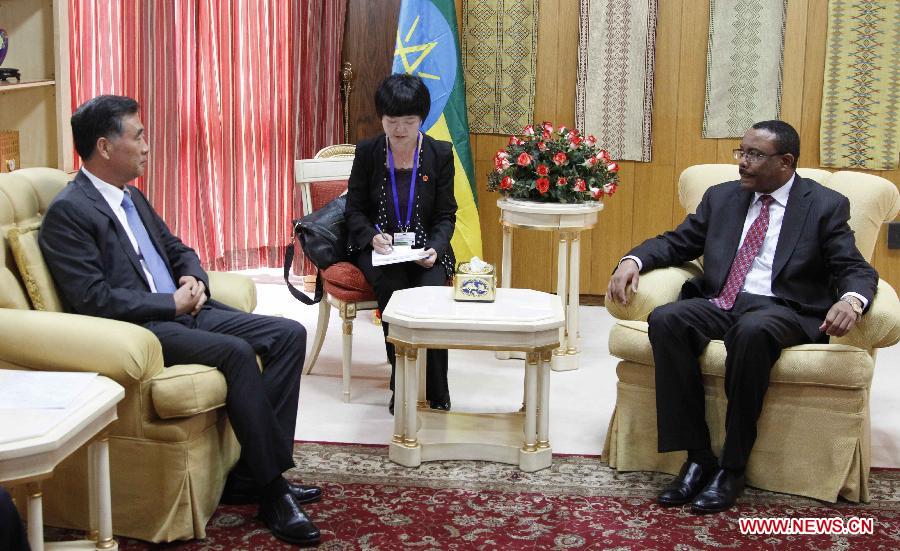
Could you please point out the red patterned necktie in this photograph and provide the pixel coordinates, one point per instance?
(745, 255)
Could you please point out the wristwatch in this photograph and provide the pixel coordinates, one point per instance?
(854, 303)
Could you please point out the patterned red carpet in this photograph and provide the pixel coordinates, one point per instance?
(371, 503)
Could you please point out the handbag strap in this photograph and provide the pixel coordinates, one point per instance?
(298, 294)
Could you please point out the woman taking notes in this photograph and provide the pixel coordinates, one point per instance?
(401, 193)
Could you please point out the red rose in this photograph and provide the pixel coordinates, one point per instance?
(501, 163)
(610, 188)
(561, 181)
(513, 140)
(560, 159)
(580, 185)
(547, 125)
(576, 141)
(542, 146)
(528, 130)
(604, 154)
(593, 160)
(591, 140)
(524, 159)
(596, 193)
(542, 184)
(545, 135)
(571, 135)
(542, 170)
(506, 183)
(612, 167)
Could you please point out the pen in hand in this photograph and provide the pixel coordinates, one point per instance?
(386, 239)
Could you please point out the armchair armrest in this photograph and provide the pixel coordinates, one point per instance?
(53, 341)
(655, 288)
(234, 290)
(880, 326)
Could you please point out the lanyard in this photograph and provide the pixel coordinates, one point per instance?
(412, 183)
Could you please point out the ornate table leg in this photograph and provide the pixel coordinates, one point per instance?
(564, 277)
(506, 275)
(574, 290)
(532, 360)
(543, 410)
(421, 369)
(411, 395)
(399, 393)
(103, 495)
(35, 517)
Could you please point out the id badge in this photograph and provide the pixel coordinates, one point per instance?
(405, 239)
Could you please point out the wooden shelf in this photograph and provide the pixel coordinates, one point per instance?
(8, 86)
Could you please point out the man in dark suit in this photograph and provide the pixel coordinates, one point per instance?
(112, 256)
(781, 268)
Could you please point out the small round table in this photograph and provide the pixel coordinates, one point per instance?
(569, 219)
(519, 319)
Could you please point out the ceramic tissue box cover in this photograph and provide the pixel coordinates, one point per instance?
(474, 285)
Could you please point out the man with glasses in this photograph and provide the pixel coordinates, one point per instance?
(781, 268)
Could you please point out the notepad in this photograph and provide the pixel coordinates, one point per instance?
(400, 253)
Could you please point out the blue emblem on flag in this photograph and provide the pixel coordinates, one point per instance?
(426, 47)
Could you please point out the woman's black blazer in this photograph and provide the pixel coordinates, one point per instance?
(369, 200)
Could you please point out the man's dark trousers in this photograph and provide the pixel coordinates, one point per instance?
(755, 331)
(262, 408)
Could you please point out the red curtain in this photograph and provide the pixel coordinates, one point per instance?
(231, 93)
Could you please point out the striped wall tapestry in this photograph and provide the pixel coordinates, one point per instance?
(614, 94)
(499, 51)
(743, 65)
(860, 125)
(217, 84)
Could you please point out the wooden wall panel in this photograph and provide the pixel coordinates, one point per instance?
(647, 201)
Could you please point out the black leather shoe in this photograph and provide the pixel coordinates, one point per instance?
(288, 522)
(304, 494)
(720, 494)
(240, 491)
(690, 481)
(439, 404)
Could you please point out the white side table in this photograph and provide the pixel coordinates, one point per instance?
(520, 319)
(34, 441)
(569, 220)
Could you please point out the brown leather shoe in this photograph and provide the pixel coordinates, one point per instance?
(690, 481)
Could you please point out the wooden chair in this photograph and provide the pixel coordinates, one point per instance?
(321, 179)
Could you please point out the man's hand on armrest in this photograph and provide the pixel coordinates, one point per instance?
(839, 320)
(626, 275)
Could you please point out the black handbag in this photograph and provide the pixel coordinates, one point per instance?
(323, 238)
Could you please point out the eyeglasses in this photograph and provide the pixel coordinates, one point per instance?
(751, 156)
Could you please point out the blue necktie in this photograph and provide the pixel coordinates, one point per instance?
(155, 264)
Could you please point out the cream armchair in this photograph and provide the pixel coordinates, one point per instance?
(814, 431)
(172, 446)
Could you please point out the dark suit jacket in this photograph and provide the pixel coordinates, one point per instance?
(434, 197)
(816, 259)
(93, 263)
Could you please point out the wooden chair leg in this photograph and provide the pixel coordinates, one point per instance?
(321, 328)
(348, 314)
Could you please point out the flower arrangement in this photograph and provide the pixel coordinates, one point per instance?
(553, 165)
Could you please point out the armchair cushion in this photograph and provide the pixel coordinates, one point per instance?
(186, 390)
(347, 282)
(23, 241)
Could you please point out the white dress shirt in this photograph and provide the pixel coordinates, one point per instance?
(113, 196)
(759, 278)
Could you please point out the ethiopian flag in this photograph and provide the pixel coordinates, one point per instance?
(427, 47)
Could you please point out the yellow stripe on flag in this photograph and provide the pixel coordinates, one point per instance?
(466, 240)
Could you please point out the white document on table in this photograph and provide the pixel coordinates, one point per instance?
(400, 253)
(41, 389)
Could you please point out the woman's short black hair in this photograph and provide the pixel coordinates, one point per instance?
(402, 95)
(99, 117)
